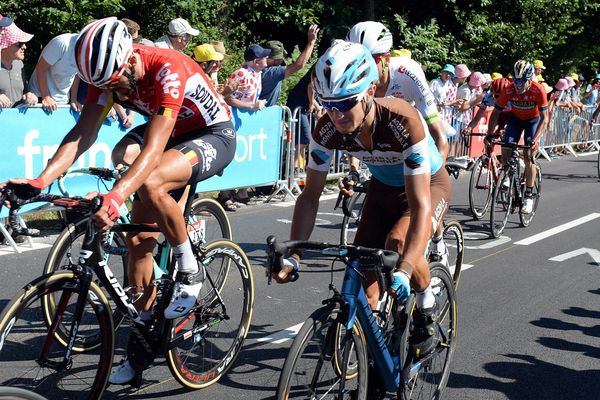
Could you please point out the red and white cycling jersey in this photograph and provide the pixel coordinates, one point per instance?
(173, 85)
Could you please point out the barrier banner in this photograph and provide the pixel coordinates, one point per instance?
(477, 147)
(30, 137)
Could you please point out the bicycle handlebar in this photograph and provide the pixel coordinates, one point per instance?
(345, 200)
(383, 259)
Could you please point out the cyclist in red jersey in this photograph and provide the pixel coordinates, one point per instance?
(529, 113)
(188, 138)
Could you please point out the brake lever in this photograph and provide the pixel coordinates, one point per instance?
(274, 261)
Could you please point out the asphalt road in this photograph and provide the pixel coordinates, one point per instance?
(528, 303)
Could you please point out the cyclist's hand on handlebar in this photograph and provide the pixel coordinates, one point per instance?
(25, 188)
(109, 211)
(288, 265)
(346, 184)
(401, 285)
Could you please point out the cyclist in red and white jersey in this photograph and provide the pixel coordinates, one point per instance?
(188, 138)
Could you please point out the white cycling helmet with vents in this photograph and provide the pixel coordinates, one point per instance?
(373, 35)
(345, 70)
(102, 49)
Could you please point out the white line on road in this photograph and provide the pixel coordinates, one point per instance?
(558, 229)
(595, 254)
(36, 246)
(291, 203)
(282, 336)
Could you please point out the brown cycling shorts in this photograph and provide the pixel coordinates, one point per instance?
(385, 205)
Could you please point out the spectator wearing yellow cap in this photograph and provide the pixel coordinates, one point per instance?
(208, 58)
(401, 53)
(538, 67)
(496, 75)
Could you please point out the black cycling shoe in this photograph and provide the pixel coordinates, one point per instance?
(425, 335)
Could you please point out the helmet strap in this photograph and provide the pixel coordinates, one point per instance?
(129, 73)
(367, 106)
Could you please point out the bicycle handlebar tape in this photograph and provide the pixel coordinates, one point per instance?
(113, 200)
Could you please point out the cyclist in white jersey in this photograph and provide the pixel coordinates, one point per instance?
(404, 78)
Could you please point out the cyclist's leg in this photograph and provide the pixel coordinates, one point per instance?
(530, 130)
(383, 205)
(512, 135)
(128, 148)
(441, 193)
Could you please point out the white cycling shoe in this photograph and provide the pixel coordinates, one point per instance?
(527, 206)
(439, 256)
(122, 373)
(184, 296)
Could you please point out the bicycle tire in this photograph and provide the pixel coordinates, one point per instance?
(537, 190)
(64, 255)
(316, 343)
(86, 375)
(350, 223)
(427, 378)
(455, 241)
(215, 221)
(209, 338)
(598, 164)
(481, 185)
(502, 202)
(11, 393)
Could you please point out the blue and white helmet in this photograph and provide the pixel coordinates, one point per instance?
(345, 70)
(375, 36)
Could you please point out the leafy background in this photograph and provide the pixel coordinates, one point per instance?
(487, 35)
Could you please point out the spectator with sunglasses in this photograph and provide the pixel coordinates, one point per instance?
(409, 189)
(12, 43)
(179, 35)
(529, 114)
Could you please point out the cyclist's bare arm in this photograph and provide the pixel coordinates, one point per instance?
(307, 205)
(493, 121)
(79, 139)
(541, 128)
(436, 129)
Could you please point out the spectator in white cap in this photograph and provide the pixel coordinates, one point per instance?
(178, 36)
(12, 43)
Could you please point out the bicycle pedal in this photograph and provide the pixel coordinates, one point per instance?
(137, 380)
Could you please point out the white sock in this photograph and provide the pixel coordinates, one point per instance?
(438, 243)
(425, 299)
(186, 262)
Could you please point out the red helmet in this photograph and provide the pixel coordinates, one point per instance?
(499, 84)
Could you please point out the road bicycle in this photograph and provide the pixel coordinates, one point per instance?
(11, 393)
(509, 193)
(452, 233)
(207, 221)
(333, 354)
(484, 176)
(69, 355)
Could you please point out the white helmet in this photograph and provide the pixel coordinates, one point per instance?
(345, 70)
(102, 48)
(373, 35)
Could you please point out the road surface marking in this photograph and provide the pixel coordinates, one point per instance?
(595, 254)
(282, 336)
(558, 229)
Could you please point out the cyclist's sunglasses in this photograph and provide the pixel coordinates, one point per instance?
(113, 80)
(340, 105)
(520, 81)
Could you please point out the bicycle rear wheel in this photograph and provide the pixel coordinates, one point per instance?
(32, 356)
(455, 242)
(312, 368)
(537, 189)
(426, 378)
(208, 221)
(501, 204)
(64, 255)
(11, 393)
(480, 187)
(206, 341)
(350, 223)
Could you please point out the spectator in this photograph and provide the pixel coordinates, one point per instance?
(209, 60)
(12, 43)
(471, 93)
(401, 53)
(275, 72)
(590, 97)
(178, 36)
(440, 86)
(219, 48)
(134, 30)
(487, 79)
(248, 79)
(496, 75)
(4, 22)
(573, 93)
(54, 79)
(538, 67)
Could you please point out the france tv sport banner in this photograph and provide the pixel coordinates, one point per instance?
(30, 137)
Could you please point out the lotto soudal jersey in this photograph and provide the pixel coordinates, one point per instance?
(408, 82)
(401, 144)
(173, 85)
(524, 106)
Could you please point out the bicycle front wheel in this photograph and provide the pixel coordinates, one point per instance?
(501, 204)
(32, 356)
(64, 255)
(313, 370)
(537, 190)
(350, 223)
(455, 241)
(206, 341)
(480, 187)
(426, 378)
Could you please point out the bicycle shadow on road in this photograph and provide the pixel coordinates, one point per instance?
(526, 377)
